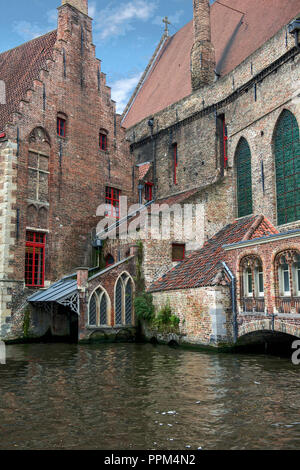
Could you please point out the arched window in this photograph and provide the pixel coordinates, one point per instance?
(244, 178)
(124, 300)
(99, 308)
(252, 284)
(287, 162)
(287, 285)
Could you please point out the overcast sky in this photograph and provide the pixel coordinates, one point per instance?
(126, 32)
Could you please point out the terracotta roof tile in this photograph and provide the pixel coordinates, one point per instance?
(201, 267)
(143, 170)
(19, 67)
(234, 37)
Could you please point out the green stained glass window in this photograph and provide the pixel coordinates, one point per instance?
(244, 179)
(287, 161)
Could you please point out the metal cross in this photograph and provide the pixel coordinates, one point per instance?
(167, 22)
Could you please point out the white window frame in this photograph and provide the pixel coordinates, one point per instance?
(247, 273)
(281, 272)
(259, 271)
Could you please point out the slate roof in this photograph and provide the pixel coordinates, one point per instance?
(235, 36)
(200, 268)
(19, 67)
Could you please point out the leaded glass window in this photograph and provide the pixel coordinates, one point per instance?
(244, 179)
(124, 300)
(287, 161)
(93, 311)
(99, 308)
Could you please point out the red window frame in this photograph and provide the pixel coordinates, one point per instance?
(103, 142)
(61, 127)
(112, 199)
(175, 162)
(148, 191)
(35, 259)
(181, 245)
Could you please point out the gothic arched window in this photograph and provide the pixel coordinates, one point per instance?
(124, 300)
(244, 178)
(287, 162)
(99, 308)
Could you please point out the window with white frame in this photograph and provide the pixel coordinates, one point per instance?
(248, 280)
(260, 288)
(284, 280)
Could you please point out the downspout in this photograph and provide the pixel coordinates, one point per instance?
(233, 301)
(140, 188)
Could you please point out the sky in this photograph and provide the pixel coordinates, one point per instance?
(126, 33)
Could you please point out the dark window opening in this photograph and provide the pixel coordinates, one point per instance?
(223, 139)
(35, 259)
(103, 141)
(109, 260)
(61, 127)
(178, 252)
(148, 191)
(112, 201)
(175, 162)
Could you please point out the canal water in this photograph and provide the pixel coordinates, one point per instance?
(115, 397)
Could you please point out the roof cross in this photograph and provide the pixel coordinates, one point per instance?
(167, 22)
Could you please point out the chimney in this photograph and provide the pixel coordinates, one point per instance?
(203, 62)
(81, 5)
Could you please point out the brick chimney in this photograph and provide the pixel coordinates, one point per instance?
(203, 60)
(81, 5)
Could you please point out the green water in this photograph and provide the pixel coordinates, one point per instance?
(61, 396)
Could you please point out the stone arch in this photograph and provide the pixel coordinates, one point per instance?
(43, 218)
(99, 308)
(243, 172)
(39, 135)
(268, 325)
(286, 150)
(124, 296)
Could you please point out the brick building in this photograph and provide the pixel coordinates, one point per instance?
(217, 115)
(214, 121)
(62, 153)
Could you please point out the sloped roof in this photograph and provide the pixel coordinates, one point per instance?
(19, 67)
(235, 36)
(178, 198)
(143, 170)
(201, 267)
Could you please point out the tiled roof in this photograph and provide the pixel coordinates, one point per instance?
(201, 267)
(234, 36)
(143, 170)
(177, 198)
(19, 67)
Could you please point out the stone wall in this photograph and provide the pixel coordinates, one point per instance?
(205, 314)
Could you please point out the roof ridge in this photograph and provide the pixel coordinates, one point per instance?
(28, 42)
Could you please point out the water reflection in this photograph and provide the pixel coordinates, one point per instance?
(146, 397)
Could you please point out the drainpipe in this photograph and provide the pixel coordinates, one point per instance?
(233, 300)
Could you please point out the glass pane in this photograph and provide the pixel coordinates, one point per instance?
(250, 287)
(286, 279)
(261, 282)
(93, 311)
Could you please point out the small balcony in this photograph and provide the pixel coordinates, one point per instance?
(288, 305)
(253, 305)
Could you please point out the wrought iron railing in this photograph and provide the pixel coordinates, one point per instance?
(253, 305)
